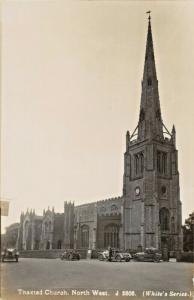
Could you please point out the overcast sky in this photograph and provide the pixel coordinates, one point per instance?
(71, 86)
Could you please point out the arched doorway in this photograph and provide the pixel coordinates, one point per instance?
(111, 236)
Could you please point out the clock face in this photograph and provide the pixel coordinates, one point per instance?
(137, 191)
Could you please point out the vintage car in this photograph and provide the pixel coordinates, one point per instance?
(10, 254)
(150, 254)
(116, 255)
(70, 255)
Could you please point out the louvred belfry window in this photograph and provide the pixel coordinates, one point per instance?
(139, 164)
(162, 162)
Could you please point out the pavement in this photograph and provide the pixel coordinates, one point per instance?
(92, 279)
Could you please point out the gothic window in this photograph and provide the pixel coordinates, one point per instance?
(164, 219)
(85, 236)
(111, 236)
(162, 162)
(139, 164)
(172, 225)
(149, 81)
(136, 164)
(172, 244)
(49, 226)
(26, 228)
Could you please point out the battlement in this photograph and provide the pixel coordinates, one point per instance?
(109, 200)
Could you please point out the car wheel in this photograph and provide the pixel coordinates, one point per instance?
(127, 259)
(118, 258)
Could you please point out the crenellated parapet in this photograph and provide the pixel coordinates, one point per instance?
(109, 207)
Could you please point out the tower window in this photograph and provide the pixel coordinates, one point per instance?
(136, 164)
(139, 164)
(149, 82)
(164, 219)
(162, 162)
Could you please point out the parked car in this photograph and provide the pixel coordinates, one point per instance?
(150, 254)
(10, 254)
(116, 255)
(70, 255)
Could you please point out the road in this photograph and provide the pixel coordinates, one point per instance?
(45, 277)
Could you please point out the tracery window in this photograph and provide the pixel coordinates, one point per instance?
(136, 164)
(139, 164)
(85, 236)
(162, 162)
(164, 219)
(173, 225)
(111, 236)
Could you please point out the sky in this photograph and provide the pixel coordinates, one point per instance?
(71, 86)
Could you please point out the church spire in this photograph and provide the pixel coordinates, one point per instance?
(150, 121)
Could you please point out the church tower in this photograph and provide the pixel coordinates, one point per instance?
(151, 206)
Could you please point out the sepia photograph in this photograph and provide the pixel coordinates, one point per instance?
(97, 127)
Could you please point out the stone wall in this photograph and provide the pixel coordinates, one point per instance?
(54, 253)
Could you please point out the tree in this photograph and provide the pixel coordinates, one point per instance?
(188, 233)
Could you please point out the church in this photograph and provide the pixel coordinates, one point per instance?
(148, 214)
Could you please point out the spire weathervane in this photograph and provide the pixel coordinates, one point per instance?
(149, 12)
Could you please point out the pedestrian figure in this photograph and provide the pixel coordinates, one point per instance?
(110, 254)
